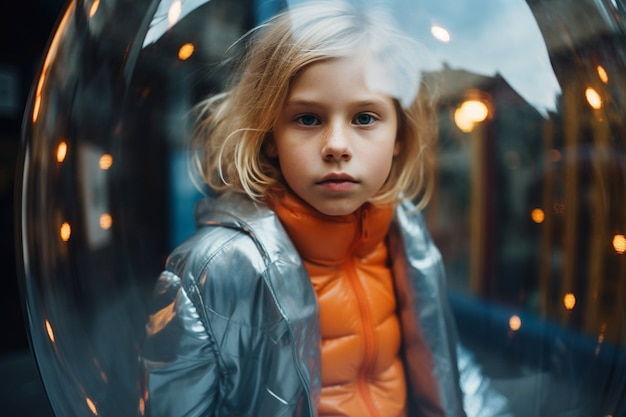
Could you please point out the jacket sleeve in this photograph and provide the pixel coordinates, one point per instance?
(218, 343)
(180, 364)
(480, 398)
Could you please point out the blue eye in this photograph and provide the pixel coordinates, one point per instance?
(364, 119)
(308, 120)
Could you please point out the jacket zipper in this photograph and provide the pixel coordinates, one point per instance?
(369, 335)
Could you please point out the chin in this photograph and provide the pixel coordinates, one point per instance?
(337, 209)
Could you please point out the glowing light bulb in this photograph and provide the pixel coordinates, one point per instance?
(61, 152)
(65, 232)
(569, 301)
(106, 161)
(593, 98)
(469, 113)
(537, 215)
(515, 322)
(106, 221)
(185, 51)
(619, 244)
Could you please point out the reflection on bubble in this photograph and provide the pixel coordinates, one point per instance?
(440, 33)
(174, 12)
(515, 323)
(106, 161)
(49, 331)
(602, 74)
(619, 243)
(528, 213)
(569, 301)
(593, 98)
(469, 113)
(92, 406)
(537, 215)
(94, 8)
(61, 151)
(65, 232)
(106, 221)
(185, 51)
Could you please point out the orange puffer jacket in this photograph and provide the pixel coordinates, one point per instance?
(347, 260)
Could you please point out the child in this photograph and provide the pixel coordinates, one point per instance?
(311, 286)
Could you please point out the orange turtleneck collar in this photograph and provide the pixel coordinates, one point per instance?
(327, 240)
(347, 261)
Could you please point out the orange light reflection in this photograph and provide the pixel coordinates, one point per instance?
(569, 301)
(537, 215)
(91, 405)
(106, 221)
(469, 113)
(604, 77)
(61, 152)
(49, 331)
(619, 244)
(185, 51)
(515, 323)
(50, 56)
(593, 98)
(65, 232)
(94, 8)
(106, 161)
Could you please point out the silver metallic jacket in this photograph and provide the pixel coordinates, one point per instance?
(234, 328)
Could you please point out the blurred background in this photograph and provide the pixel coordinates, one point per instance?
(24, 33)
(528, 213)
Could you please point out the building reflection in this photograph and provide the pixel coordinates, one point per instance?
(529, 210)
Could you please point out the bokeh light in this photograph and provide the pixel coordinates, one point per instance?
(106, 161)
(65, 232)
(593, 98)
(61, 151)
(186, 51)
(537, 215)
(619, 243)
(515, 323)
(440, 33)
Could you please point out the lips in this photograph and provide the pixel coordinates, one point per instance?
(337, 177)
(337, 182)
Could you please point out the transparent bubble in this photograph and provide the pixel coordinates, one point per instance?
(528, 212)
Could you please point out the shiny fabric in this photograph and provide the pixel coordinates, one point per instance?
(234, 329)
(346, 258)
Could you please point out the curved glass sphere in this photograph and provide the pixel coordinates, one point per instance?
(528, 211)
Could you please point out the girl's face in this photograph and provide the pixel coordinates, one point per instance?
(336, 136)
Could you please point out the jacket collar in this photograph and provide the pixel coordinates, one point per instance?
(328, 240)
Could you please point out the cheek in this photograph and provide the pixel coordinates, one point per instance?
(291, 165)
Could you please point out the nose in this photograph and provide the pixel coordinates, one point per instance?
(336, 145)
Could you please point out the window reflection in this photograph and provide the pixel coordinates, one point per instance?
(529, 212)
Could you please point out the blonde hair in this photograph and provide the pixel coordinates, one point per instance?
(232, 128)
